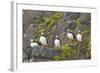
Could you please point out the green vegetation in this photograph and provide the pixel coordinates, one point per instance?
(49, 25)
(78, 22)
(65, 52)
(57, 58)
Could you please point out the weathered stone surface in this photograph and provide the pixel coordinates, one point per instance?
(39, 54)
(44, 52)
(71, 15)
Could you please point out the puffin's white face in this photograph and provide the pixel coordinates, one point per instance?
(31, 40)
(68, 30)
(79, 31)
(42, 34)
(56, 36)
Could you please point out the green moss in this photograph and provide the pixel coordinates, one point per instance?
(78, 21)
(87, 42)
(66, 50)
(56, 58)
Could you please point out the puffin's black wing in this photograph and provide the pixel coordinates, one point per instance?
(73, 35)
(39, 43)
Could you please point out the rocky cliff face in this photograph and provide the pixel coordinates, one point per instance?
(54, 23)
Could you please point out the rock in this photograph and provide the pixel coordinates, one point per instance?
(71, 15)
(71, 26)
(85, 17)
(46, 53)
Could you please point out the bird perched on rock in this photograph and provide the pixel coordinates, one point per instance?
(79, 37)
(57, 42)
(43, 39)
(33, 43)
(70, 35)
(71, 38)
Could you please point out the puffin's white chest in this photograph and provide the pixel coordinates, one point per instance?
(43, 40)
(57, 43)
(70, 36)
(34, 44)
(79, 37)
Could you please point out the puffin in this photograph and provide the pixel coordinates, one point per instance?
(79, 37)
(57, 42)
(33, 43)
(43, 39)
(70, 35)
